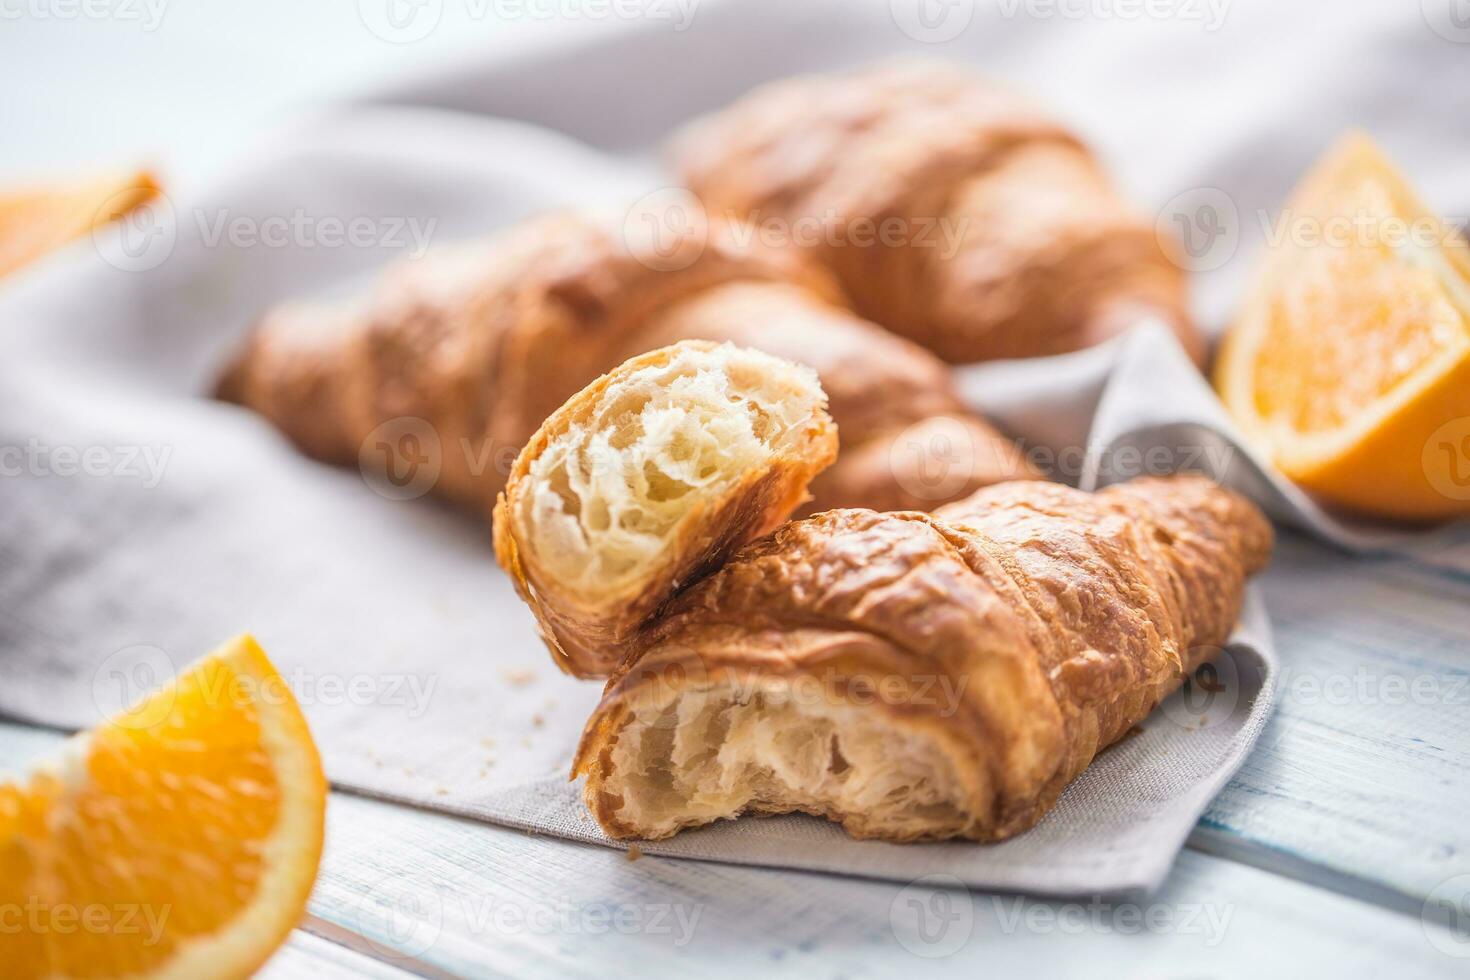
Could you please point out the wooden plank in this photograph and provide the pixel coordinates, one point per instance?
(437, 895)
(471, 898)
(1362, 778)
(308, 957)
(21, 745)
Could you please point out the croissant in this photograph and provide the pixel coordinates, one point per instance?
(646, 478)
(484, 342)
(908, 675)
(920, 677)
(952, 211)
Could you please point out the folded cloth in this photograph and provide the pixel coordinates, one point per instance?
(1136, 406)
(141, 522)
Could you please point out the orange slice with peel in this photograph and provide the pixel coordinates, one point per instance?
(1349, 364)
(37, 220)
(178, 839)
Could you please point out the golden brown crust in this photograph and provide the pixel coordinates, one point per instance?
(1062, 617)
(587, 634)
(1034, 253)
(486, 341)
(483, 343)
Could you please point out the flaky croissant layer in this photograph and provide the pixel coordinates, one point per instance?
(656, 472)
(921, 677)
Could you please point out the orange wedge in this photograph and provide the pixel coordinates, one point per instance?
(36, 221)
(1350, 362)
(178, 839)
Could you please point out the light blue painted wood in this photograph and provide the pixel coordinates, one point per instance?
(1361, 781)
(22, 745)
(436, 895)
(308, 957)
(470, 898)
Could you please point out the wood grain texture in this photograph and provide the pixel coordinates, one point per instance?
(308, 957)
(1361, 780)
(472, 899)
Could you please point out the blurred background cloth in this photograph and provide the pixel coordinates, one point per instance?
(1177, 95)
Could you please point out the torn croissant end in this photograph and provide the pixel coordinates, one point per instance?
(918, 677)
(652, 475)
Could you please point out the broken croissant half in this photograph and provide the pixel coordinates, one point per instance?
(910, 676)
(649, 477)
(920, 677)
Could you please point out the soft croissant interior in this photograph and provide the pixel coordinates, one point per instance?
(728, 749)
(660, 444)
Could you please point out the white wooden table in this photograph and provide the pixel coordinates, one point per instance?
(1335, 851)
